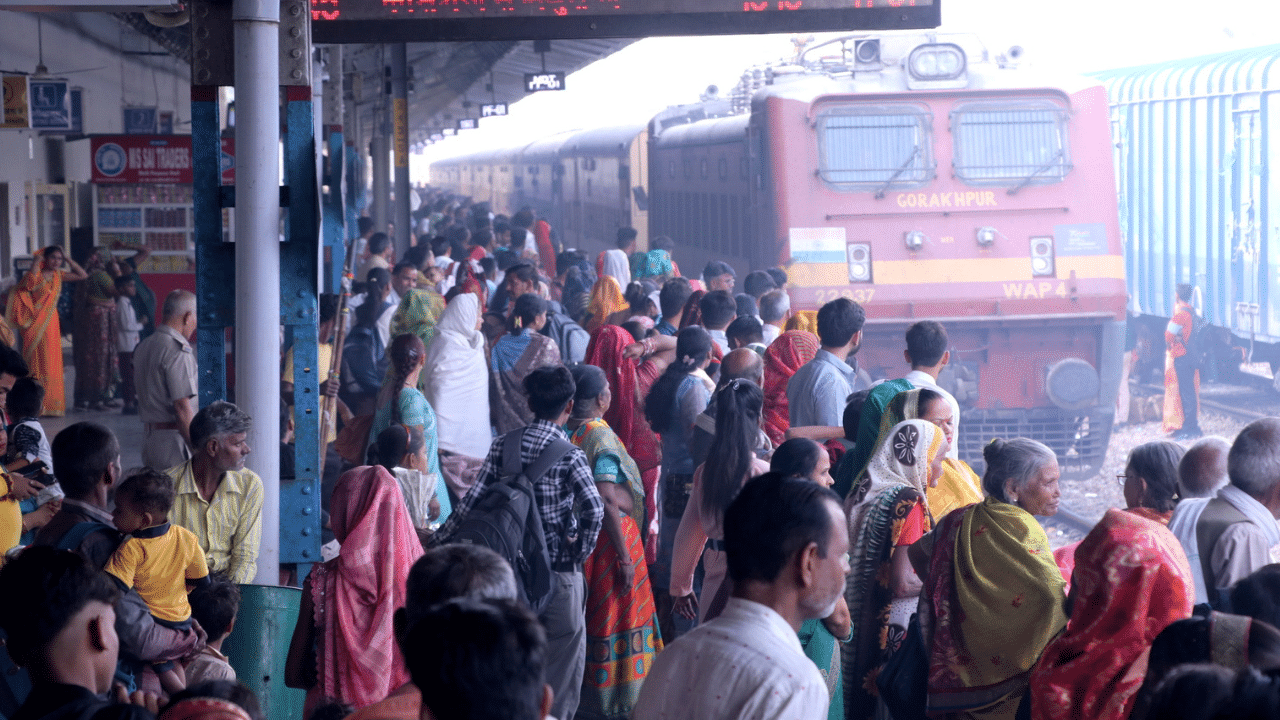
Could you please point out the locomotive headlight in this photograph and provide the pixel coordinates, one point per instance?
(1042, 256)
(1072, 384)
(938, 61)
(986, 236)
(914, 240)
(859, 262)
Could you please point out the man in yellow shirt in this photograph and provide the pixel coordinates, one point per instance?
(218, 499)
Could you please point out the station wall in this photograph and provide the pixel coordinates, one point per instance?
(117, 67)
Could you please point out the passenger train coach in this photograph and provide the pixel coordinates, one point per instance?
(1194, 143)
(922, 177)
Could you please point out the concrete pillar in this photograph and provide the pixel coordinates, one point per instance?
(257, 237)
(380, 164)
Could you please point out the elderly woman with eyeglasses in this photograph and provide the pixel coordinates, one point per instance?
(1150, 486)
(992, 597)
(1150, 480)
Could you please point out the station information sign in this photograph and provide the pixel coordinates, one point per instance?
(361, 21)
(539, 82)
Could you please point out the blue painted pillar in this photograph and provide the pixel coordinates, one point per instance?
(299, 314)
(215, 259)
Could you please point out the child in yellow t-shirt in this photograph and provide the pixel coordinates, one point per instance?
(157, 559)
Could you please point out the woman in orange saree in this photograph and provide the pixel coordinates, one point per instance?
(33, 309)
(621, 620)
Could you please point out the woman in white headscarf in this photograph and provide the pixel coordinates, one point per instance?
(614, 263)
(455, 380)
(882, 589)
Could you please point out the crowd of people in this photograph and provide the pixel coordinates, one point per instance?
(593, 488)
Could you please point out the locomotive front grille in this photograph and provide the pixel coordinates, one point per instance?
(1079, 438)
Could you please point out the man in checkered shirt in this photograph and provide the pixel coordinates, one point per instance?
(572, 515)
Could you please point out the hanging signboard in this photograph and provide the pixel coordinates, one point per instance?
(17, 108)
(493, 110)
(467, 124)
(77, 115)
(139, 120)
(400, 132)
(161, 159)
(50, 104)
(538, 82)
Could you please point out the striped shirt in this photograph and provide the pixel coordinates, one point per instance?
(230, 527)
(568, 502)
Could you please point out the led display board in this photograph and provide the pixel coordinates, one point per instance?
(381, 21)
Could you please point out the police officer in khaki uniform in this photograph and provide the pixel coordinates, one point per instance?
(164, 373)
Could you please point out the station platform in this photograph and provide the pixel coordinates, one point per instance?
(127, 428)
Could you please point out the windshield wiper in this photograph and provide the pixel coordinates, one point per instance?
(1027, 180)
(880, 190)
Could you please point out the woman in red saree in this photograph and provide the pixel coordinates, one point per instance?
(347, 603)
(1150, 483)
(784, 357)
(1132, 581)
(33, 309)
(629, 382)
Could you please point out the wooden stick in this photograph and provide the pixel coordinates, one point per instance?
(328, 405)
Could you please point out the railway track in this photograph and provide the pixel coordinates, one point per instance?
(1070, 519)
(1248, 399)
(1240, 413)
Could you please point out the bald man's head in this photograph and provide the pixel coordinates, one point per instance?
(1254, 461)
(177, 303)
(743, 363)
(1203, 469)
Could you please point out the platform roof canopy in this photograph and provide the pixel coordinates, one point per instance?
(508, 40)
(464, 55)
(451, 80)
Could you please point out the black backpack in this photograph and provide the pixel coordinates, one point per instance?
(505, 519)
(1198, 342)
(571, 338)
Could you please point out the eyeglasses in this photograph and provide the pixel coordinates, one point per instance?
(1121, 480)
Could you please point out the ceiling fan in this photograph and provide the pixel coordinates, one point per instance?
(42, 71)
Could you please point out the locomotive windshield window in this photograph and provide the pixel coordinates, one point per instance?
(875, 147)
(1010, 144)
